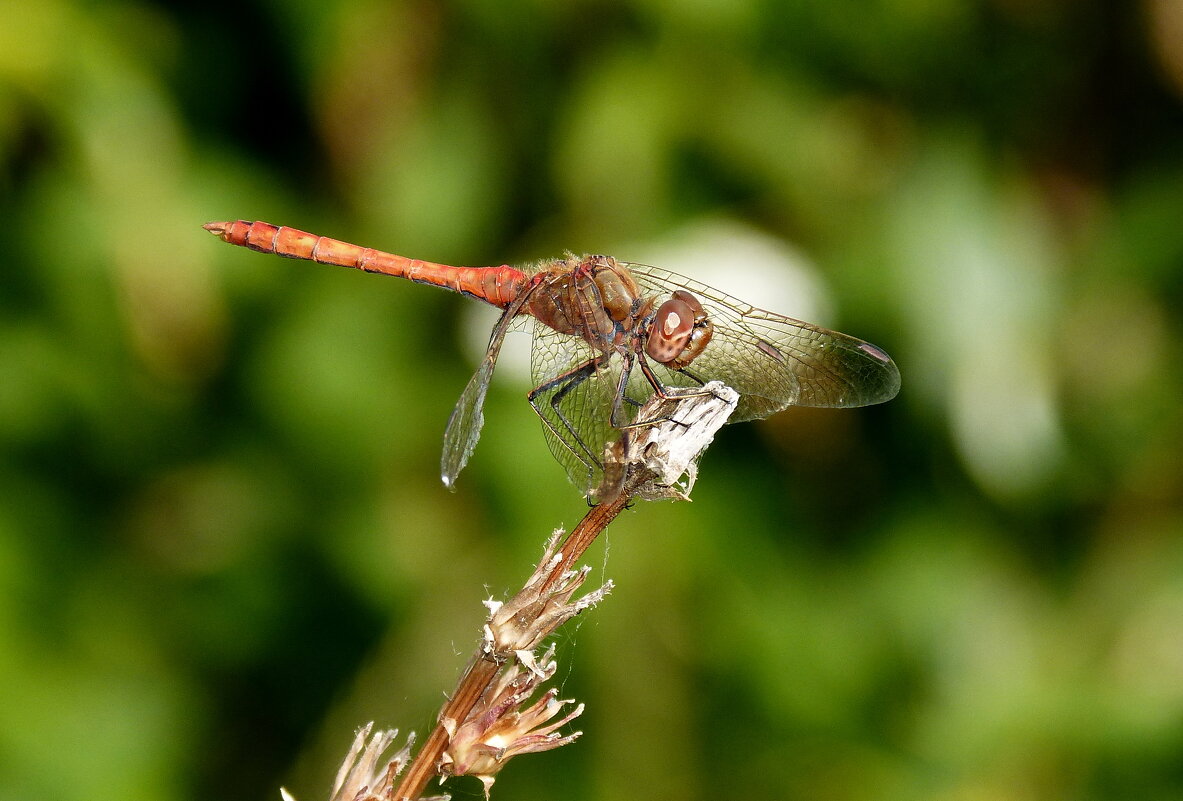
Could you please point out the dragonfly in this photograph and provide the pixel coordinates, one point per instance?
(607, 336)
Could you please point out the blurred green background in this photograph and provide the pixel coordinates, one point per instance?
(223, 543)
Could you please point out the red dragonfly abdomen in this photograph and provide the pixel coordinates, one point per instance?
(496, 285)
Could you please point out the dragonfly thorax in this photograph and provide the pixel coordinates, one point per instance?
(597, 299)
(593, 298)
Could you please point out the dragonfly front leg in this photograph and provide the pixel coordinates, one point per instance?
(660, 390)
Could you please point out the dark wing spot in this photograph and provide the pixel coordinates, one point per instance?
(770, 349)
(874, 352)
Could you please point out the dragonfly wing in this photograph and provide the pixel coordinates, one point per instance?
(775, 361)
(576, 409)
(464, 426)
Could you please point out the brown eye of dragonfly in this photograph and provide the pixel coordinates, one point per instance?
(672, 327)
(690, 301)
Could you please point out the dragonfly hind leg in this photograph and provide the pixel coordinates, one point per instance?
(562, 386)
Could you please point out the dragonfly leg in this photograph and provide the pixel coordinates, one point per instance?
(659, 389)
(562, 385)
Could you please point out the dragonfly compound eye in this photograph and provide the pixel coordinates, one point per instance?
(672, 326)
(692, 302)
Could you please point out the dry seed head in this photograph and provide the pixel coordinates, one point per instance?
(361, 777)
(500, 726)
(518, 626)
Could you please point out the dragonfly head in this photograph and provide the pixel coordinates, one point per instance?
(679, 331)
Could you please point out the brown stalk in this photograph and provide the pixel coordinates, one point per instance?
(645, 463)
(483, 668)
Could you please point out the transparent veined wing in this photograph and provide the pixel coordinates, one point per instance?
(775, 361)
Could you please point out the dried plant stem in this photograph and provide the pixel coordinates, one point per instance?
(594, 522)
(483, 668)
(481, 672)
(646, 463)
